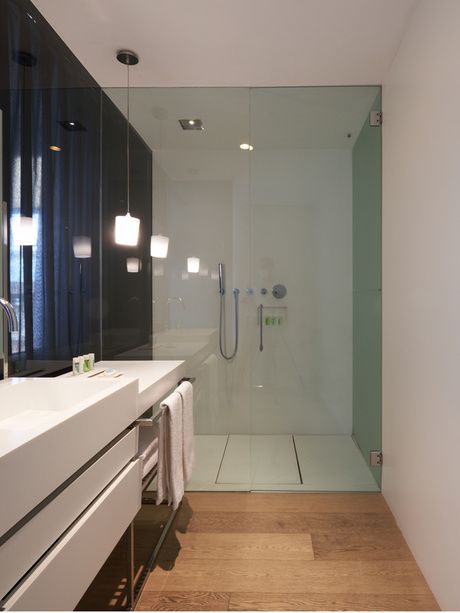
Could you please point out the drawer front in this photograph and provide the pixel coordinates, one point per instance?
(27, 545)
(61, 578)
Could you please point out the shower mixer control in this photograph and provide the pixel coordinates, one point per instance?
(279, 291)
(264, 291)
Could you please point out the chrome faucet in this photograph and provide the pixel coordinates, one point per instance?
(13, 325)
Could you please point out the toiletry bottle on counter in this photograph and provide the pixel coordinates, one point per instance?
(76, 366)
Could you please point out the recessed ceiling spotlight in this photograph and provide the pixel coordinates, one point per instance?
(72, 125)
(55, 148)
(246, 147)
(191, 124)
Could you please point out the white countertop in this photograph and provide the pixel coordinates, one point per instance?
(156, 378)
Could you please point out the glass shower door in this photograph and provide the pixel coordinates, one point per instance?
(307, 416)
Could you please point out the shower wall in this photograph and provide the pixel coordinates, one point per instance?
(279, 214)
(302, 219)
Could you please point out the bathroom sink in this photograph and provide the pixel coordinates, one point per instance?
(49, 428)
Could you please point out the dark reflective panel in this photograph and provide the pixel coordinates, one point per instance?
(127, 274)
(55, 148)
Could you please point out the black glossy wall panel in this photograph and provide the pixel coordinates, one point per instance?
(66, 307)
(126, 297)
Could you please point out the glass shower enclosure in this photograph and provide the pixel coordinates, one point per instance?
(282, 186)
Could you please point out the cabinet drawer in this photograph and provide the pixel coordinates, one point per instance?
(63, 575)
(25, 547)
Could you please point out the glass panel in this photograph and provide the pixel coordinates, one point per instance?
(200, 202)
(282, 214)
(367, 204)
(301, 180)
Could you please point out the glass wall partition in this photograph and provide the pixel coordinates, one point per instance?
(270, 199)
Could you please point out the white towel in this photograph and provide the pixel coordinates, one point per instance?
(185, 389)
(170, 485)
(148, 447)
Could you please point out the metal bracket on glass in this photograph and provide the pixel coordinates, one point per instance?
(375, 119)
(376, 457)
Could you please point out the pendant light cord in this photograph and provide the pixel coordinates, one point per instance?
(127, 145)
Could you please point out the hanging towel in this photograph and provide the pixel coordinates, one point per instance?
(148, 447)
(170, 485)
(185, 389)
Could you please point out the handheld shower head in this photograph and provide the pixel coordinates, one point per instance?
(221, 278)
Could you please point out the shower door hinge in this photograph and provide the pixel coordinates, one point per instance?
(375, 457)
(375, 119)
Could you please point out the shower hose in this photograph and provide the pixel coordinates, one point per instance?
(236, 292)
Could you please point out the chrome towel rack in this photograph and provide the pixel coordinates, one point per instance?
(189, 379)
(149, 420)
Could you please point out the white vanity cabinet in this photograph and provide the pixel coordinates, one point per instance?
(56, 554)
(62, 576)
(70, 478)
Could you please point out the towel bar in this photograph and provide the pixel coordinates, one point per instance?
(189, 379)
(151, 419)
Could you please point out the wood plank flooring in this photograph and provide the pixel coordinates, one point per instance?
(248, 551)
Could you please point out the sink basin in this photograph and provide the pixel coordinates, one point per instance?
(49, 428)
(23, 401)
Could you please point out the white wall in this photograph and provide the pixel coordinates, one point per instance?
(302, 238)
(421, 293)
(291, 224)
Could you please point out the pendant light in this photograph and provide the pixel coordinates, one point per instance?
(127, 227)
(193, 264)
(159, 246)
(82, 247)
(24, 230)
(133, 265)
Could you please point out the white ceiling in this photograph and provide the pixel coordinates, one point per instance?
(233, 42)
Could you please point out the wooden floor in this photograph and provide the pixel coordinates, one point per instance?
(248, 551)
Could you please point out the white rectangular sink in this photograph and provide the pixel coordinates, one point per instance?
(49, 428)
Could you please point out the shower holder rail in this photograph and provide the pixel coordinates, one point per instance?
(260, 321)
